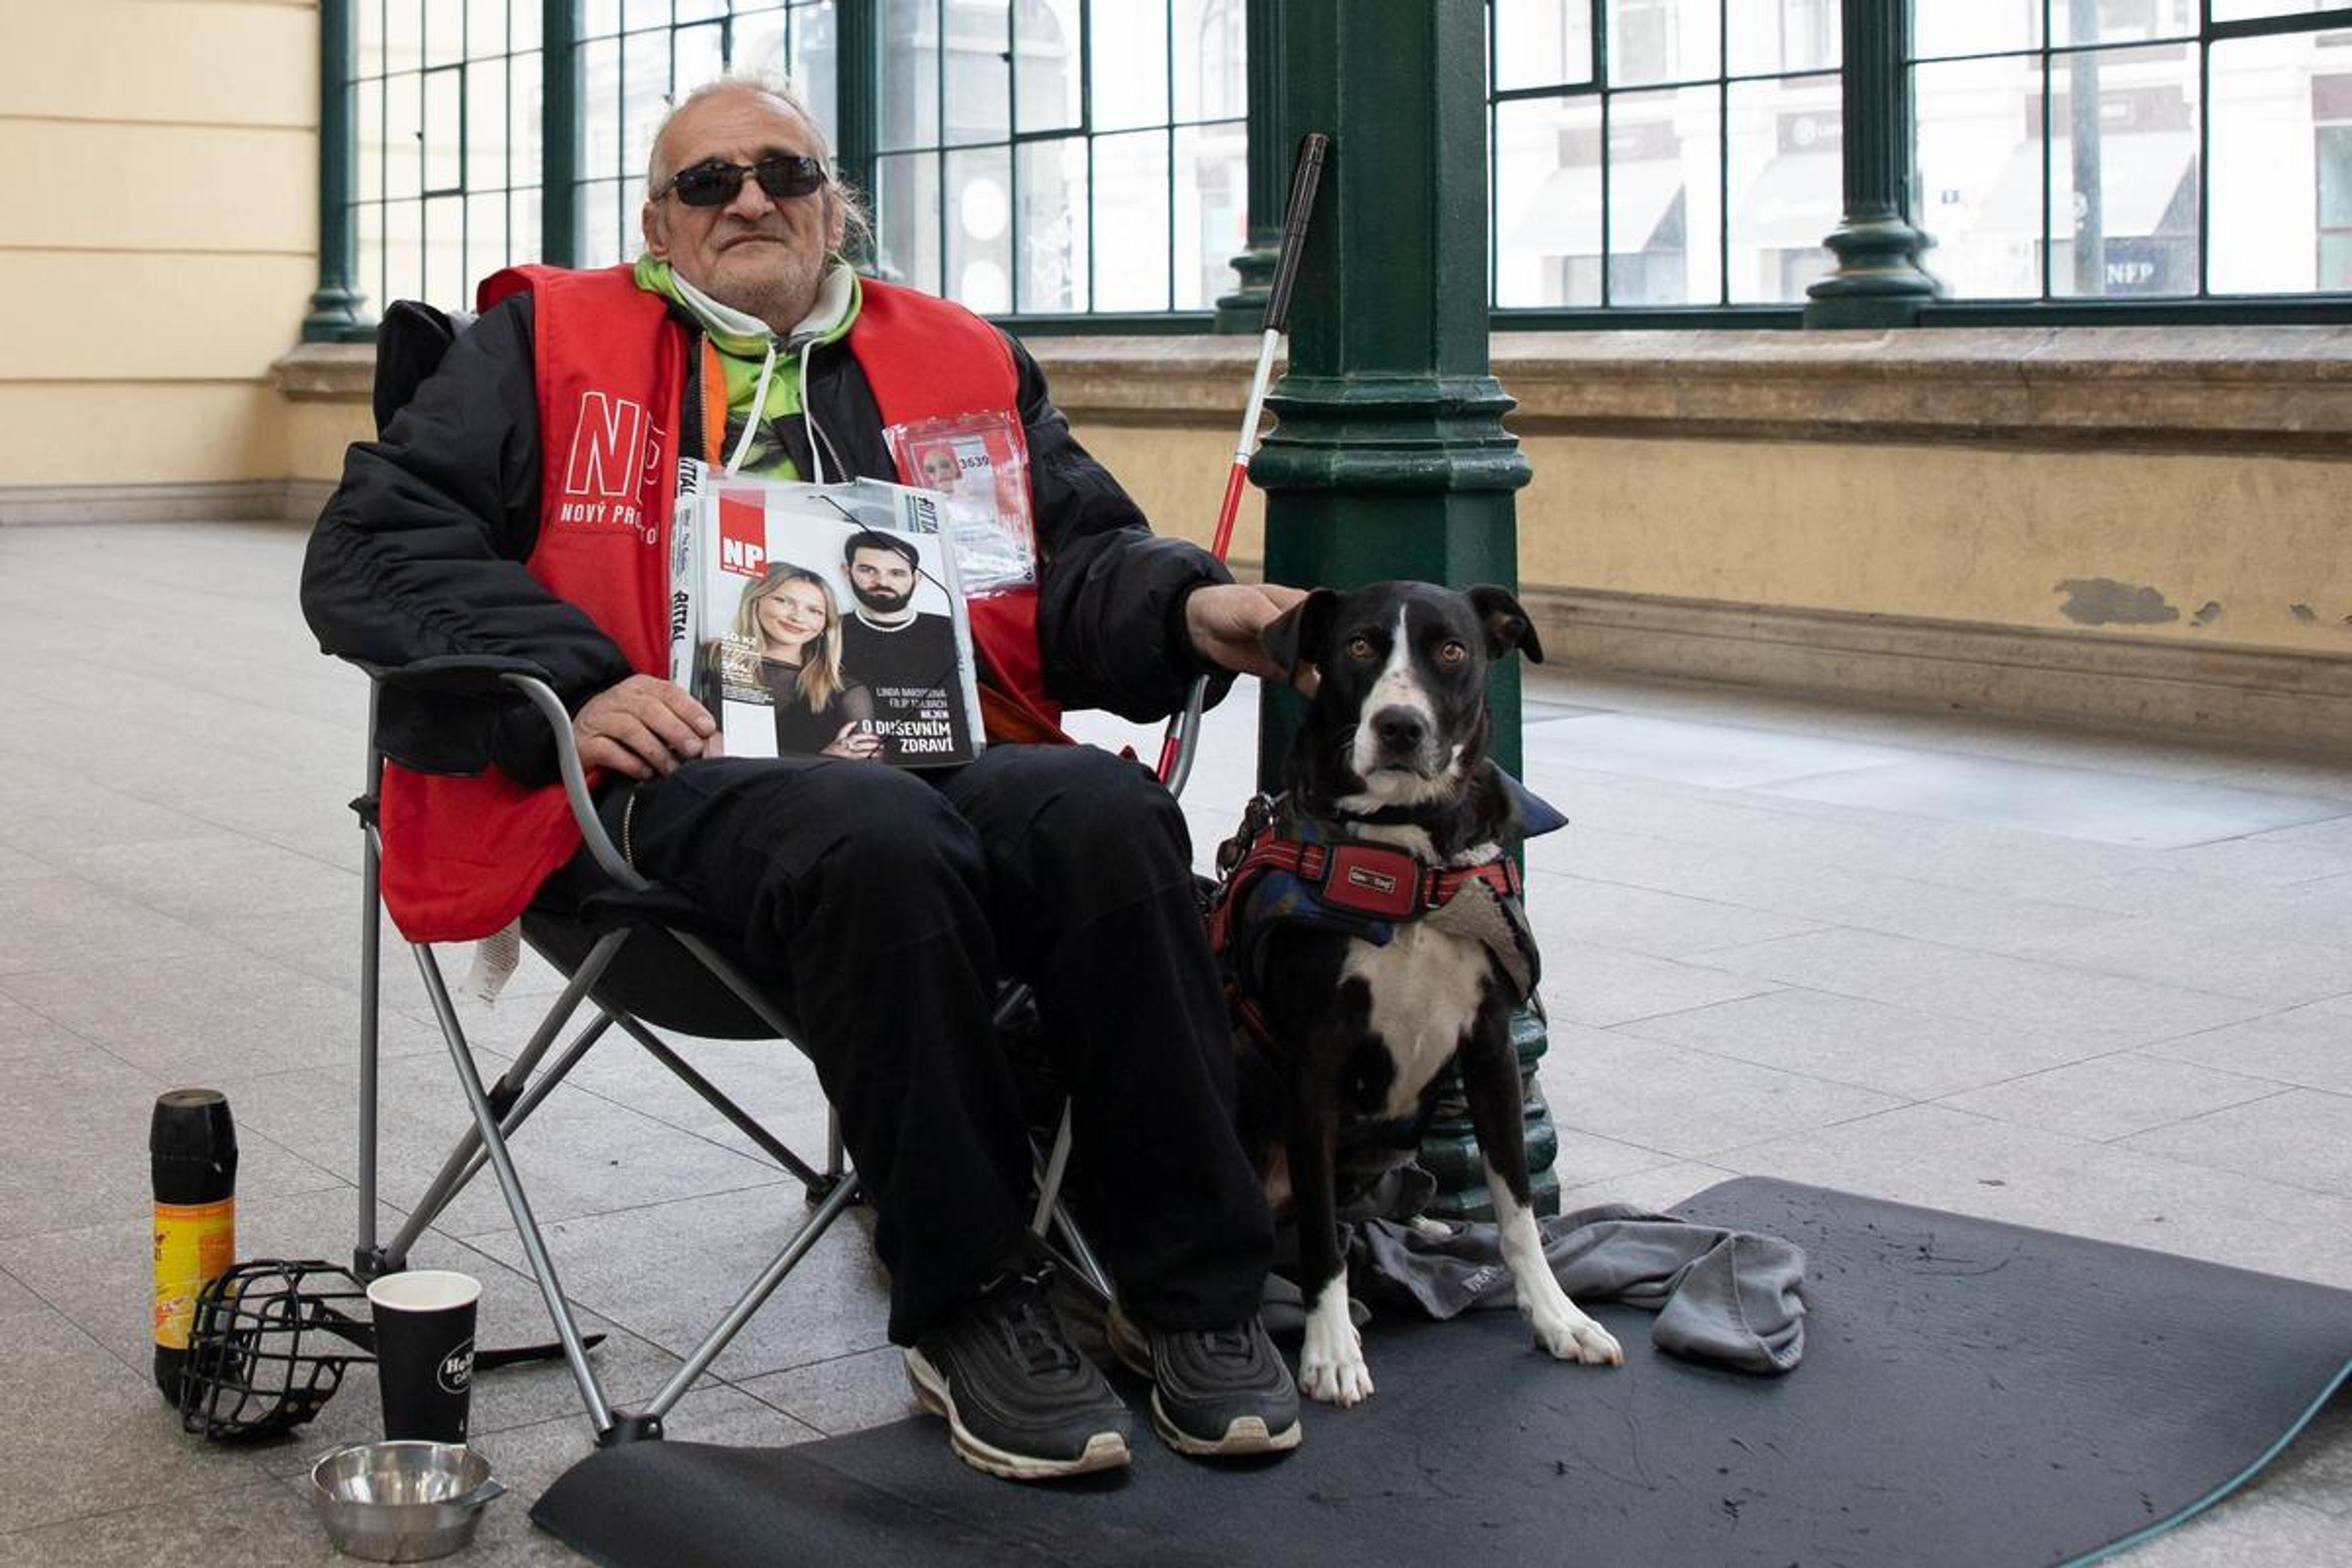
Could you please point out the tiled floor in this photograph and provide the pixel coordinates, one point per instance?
(2098, 984)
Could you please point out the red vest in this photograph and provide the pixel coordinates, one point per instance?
(463, 856)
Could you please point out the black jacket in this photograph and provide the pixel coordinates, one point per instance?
(420, 553)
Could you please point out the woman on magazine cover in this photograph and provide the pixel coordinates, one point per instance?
(790, 617)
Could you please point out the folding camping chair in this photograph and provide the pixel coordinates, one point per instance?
(624, 954)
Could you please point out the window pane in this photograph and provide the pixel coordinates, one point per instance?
(444, 140)
(1050, 87)
(911, 74)
(1663, 40)
(1131, 239)
(1946, 28)
(445, 32)
(604, 237)
(1212, 48)
(645, 101)
(980, 228)
(1542, 43)
(907, 222)
(697, 54)
(524, 220)
(1769, 37)
(485, 125)
(1129, 50)
(810, 68)
(1788, 186)
(979, 77)
(489, 246)
(403, 44)
(445, 251)
(636, 16)
(1548, 203)
(485, 27)
(2267, 178)
(599, 18)
(2245, 10)
(2121, 21)
(403, 254)
(367, 129)
(403, 136)
(526, 96)
(2123, 172)
(1666, 200)
(1211, 176)
(1056, 219)
(1980, 162)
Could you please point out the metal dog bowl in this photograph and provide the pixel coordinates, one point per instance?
(402, 1502)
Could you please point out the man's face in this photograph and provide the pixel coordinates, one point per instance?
(883, 580)
(940, 470)
(756, 254)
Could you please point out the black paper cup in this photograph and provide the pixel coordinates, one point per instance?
(424, 1352)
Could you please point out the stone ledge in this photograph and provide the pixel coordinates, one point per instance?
(326, 372)
(2245, 388)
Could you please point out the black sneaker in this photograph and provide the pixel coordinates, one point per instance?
(1019, 1402)
(1222, 1392)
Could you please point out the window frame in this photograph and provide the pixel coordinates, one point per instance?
(857, 29)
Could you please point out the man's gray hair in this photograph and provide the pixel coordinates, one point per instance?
(859, 224)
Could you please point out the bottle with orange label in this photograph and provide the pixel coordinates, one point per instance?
(191, 1144)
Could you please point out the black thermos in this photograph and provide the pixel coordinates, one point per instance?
(191, 1144)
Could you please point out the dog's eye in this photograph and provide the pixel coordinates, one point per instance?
(1451, 652)
(1360, 647)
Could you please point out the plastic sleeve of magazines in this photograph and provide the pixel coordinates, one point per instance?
(752, 535)
(685, 604)
(978, 465)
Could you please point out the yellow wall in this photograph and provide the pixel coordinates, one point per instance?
(158, 234)
(1967, 533)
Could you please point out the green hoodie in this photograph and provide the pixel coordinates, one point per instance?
(744, 343)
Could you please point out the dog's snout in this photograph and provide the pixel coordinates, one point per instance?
(1400, 729)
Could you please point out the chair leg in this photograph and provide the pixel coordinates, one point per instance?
(1053, 1214)
(812, 1229)
(368, 1260)
(542, 1266)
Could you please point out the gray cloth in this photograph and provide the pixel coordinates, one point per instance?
(1731, 1297)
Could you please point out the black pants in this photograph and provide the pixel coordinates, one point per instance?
(882, 907)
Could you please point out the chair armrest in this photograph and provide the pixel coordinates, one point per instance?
(1183, 742)
(454, 674)
(575, 778)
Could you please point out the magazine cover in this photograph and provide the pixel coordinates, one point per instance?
(830, 623)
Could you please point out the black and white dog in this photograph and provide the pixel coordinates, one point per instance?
(1370, 926)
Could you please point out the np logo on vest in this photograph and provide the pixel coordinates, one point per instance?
(615, 460)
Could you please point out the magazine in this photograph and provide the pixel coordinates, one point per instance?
(825, 620)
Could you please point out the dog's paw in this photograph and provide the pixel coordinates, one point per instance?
(1570, 1335)
(1343, 1381)
(1332, 1363)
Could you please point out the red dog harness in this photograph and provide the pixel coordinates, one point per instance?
(1282, 868)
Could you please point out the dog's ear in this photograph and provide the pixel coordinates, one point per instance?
(1507, 625)
(1297, 635)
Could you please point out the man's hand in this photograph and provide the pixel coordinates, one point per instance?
(1224, 620)
(642, 727)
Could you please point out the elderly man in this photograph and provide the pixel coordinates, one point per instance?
(519, 506)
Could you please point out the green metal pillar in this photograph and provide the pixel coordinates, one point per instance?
(1878, 281)
(560, 122)
(856, 99)
(337, 307)
(1244, 309)
(1391, 459)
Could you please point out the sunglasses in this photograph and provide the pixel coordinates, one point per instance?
(714, 183)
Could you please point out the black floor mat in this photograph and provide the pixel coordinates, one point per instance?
(1973, 1394)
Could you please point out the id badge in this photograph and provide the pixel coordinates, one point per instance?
(978, 466)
